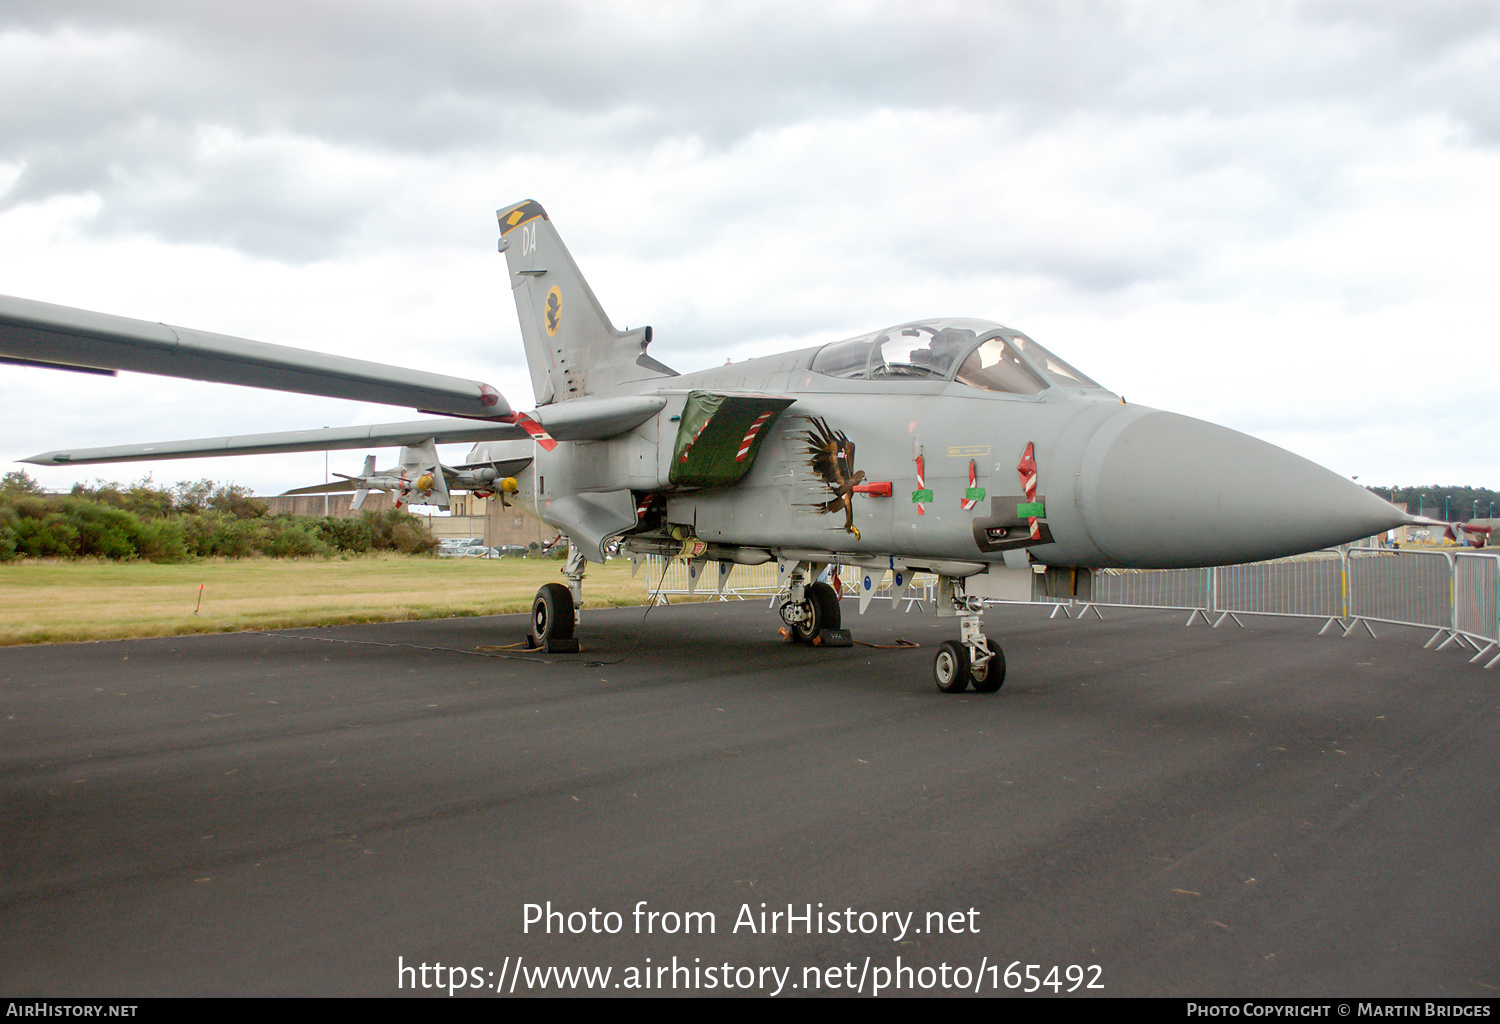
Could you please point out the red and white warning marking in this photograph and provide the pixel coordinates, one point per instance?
(968, 503)
(536, 430)
(749, 438)
(694, 440)
(921, 486)
(1027, 468)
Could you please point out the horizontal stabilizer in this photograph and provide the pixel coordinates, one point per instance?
(329, 488)
(582, 420)
(77, 338)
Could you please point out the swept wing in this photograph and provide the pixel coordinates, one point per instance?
(40, 333)
(583, 419)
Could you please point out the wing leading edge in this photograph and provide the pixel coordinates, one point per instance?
(68, 338)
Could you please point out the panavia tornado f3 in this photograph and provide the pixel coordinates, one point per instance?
(953, 446)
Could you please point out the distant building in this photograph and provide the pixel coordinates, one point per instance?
(313, 504)
(498, 525)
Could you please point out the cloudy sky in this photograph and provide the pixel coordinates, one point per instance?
(1283, 217)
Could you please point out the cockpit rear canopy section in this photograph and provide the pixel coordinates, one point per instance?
(978, 353)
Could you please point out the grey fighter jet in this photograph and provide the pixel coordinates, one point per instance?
(954, 446)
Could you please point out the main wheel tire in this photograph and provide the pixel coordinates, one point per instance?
(990, 676)
(950, 669)
(825, 601)
(823, 613)
(552, 613)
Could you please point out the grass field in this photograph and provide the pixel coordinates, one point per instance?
(54, 601)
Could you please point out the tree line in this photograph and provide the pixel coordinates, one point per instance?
(188, 521)
(1455, 504)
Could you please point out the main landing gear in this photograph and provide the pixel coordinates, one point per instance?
(810, 610)
(973, 658)
(554, 613)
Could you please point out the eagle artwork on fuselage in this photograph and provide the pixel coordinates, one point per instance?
(1024, 473)
(833, 460)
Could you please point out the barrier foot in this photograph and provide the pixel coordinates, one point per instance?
(1355, 623)
(1452, 636)
(1228, 615)
(1433, 639)
(1487, 648)
(1493, 662)
(1092, 608)
(1331, 620)
(1197, 612)
(1059, 608)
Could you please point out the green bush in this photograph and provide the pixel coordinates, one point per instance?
(289, 537)
(202, 520)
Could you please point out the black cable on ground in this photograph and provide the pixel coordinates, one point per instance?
(641, 629)
(496, 652)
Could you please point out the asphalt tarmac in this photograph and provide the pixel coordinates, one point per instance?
(1147, 808)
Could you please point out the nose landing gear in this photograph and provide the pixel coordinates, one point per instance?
(973, 658)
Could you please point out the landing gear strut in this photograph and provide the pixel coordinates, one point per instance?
(973, 658)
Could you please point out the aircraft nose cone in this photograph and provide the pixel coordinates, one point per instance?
(1169, 491)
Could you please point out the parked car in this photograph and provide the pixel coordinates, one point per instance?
(499, 551)
(454, 547)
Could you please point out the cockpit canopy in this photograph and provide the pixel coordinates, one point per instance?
(973, 352)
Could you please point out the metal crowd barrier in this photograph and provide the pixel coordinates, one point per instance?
(1454, 593)
(673, 577)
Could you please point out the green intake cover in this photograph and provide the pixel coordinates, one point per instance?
(714, 447)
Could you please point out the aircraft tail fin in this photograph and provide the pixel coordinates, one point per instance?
(360, 494)
(571, 346)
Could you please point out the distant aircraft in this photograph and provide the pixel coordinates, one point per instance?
(955, 446)
(1465, 535)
